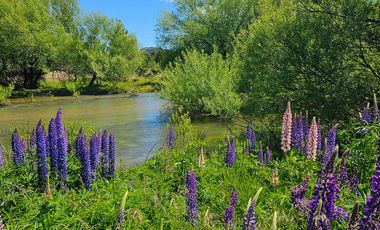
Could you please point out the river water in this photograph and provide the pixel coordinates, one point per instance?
(138, 122)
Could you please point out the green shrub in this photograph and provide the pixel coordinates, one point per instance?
(72, 88)
(5, 92)
(203, 84)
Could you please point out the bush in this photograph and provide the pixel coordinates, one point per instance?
(203, 84)
(5, 92)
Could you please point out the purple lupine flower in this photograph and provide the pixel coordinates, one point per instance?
(372, 205)
(343, 172)
(354, 183)
(41, 156)
(230, 210)
(230, 154)
(170, 138)
(105, 155)
(191, 197)
(1, 156)
(85, 159)
(32, 140)
(316, 197)
(294, 132)
(330, 144)
(286, 130)
(354, 217)
(306, 125)
(94, 157)
(249, 220)
(112, 153)
(53, 145)
(261, 155)
(366, 117)
(332, 190)
(62, 146)
(319, 147)
(18, 156)
(251, 137)
(298, 193)
(77, 140)
(340, 214)
(300, 134)
(267, 156)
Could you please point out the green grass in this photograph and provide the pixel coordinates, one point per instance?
(157, 191)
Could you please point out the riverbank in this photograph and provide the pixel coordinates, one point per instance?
(132, 86)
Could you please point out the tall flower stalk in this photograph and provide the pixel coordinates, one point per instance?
(294, 131)
(85, 159)
(62, 146)
(267, 156)
(94, 153)
(286, 132)
(170, 138)
(230, 210)
(230, 153)
(365, 116)
(105, 155)
(312, 141)
(53, 145)
(191, 197)
(18, 156)
(41, 156)
(330, 144)
(261, 154)
(112, 153)
(300, 134)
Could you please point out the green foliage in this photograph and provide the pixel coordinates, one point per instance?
(205, 24)
(5, 92)
(203, 84)
(72, 88)
(316, 54)
(361, 146)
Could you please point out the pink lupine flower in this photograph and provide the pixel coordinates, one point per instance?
(286, 132)
(312, 141)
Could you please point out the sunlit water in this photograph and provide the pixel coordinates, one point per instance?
(139, 123)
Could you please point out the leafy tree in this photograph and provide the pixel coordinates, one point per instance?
(317, 59)
(205, 24)
(203, 84)
(108, 50)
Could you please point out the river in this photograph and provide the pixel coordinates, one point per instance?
(138, 122)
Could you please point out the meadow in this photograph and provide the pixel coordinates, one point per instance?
(67, 178)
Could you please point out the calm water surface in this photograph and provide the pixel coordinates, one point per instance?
(138, 122)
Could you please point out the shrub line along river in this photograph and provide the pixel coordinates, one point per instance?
(138, 122)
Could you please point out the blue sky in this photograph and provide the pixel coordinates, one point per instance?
(138, 16)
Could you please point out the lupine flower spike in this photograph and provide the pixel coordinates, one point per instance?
(251, 137)
(275, 180)
(32, 140)
(230, 153)
(354, 218)
(53, 145)
(18, 156)
(298, 193)
(306, 125)
(286, 132)
(85, 158)
(170, 138)
(312, 141)
(300, 134)
(94, 157)
(365, 116)
(201, 160)
(267, 156)
(319, 148)
(41, 156)
(61, 147)
(112, 153)
(230, 211)
(191, 197)
(249, 220)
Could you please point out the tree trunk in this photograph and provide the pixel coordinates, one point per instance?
(31, 78)
(93, 79)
